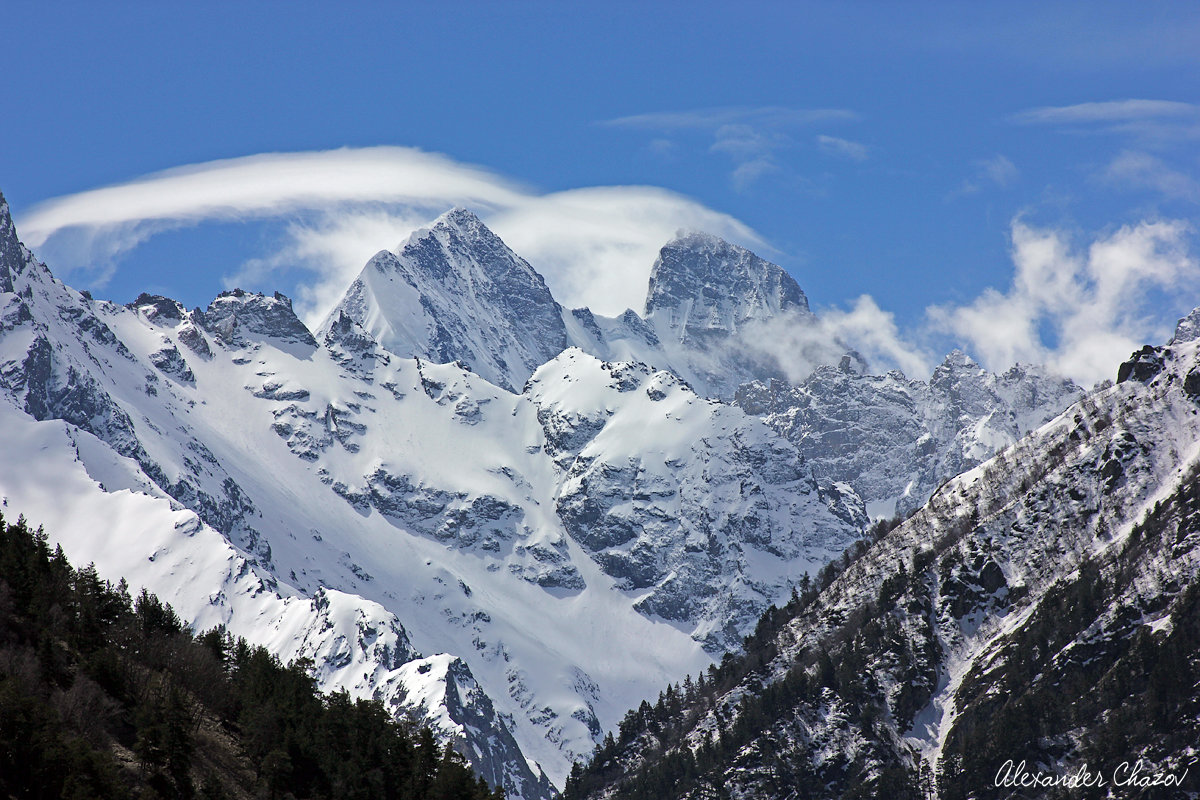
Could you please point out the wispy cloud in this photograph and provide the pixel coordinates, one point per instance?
(845, 148)
(1170, 128)
(270, 184)
(1078, 310)
(998, 171)
(713, 118)
(1107, 111)
(751, 137)
(338, 207)
(1096, 305)
(1142, 170)
(1156, 123)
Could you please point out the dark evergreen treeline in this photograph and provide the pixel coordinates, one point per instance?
(655, 730)
(103, 695)
(1058, 695)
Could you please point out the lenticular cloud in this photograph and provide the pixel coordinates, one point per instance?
(594, 245)
(1076, 312)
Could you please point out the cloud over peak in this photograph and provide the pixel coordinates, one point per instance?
(1078, 311)
(594, 245)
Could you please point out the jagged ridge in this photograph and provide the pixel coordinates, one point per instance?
(1021, 615)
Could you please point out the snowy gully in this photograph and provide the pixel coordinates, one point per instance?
(1136, 775)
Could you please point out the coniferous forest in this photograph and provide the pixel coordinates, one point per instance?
(107, 695)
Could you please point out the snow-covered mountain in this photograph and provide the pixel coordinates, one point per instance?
(455, 292)
(895, 439)
(555, 554)
(506, 518)
(702, 286)
(1041, 609)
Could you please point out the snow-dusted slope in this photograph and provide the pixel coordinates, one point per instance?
(455, 292)
(327, 497)
(701, 513)
(895, 439)
(1040, 608)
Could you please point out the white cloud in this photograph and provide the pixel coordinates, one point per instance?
(268, 185)
(842, 147)
(1105, 112)
(594, 246)
(1142, 170)
(874, 334)
(801, 346)
(1156, 123)
(997, 170)
(750, 137)
(1079, 313)
(713, 118)
(330, 250)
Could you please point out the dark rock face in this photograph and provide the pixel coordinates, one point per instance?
(1142, 366)
(638, 327)
(483, 522)
(157, 308)
(484, 740)
(59, 391)
(1191, 384)
(11, 256)
(171, 362)
(682, 524)
(351, 346)
(705, 286)
(236, 313)
(894, 439)
(191, 336)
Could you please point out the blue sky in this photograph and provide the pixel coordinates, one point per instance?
(1018, 179)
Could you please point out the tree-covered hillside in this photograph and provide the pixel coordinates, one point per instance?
(104, 695)
(1033, 631)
